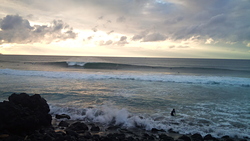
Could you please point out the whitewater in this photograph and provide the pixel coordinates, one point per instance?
(210, 96)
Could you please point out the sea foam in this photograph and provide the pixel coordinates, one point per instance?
(190, 79)
(108, 115)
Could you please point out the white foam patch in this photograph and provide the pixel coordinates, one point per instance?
(76, 63)
(214, 80)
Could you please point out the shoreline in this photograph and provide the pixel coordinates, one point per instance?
(27, 118)
(98, 132)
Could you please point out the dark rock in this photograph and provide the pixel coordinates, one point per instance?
(34, 102)
(209, 137)
(145, 135)
(148, 137)
(164, 137)
(113, 127)
(71, 133)
(87, 135)
(184, 138)
(69, 138)
(14, 138)
(47, 137)
(62, 116)
(116, 136)
(105, 139)
(225, 137)
(130, 139)
(59, 138)
(197, 137)
(229, 139)
(172, 131)
(78, 127)
(96, 137)
(126, 131)
(24, 113)
(63, 124)
(95, 128)
(157, 130)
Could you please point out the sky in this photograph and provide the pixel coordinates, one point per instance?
(126, 28)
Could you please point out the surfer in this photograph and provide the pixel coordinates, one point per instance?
(173, 112)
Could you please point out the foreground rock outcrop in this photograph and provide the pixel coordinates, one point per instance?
(24, 113)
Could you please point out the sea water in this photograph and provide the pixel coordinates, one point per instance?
(210, 96)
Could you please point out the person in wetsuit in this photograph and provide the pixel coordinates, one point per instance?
(173, 112)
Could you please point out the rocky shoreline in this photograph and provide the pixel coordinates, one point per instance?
(27, 118)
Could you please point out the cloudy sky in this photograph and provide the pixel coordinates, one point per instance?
(139, 28)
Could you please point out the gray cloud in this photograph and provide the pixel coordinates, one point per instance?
(222, 20)
(154, 37)
(146, 36)
(121, 19)
(90, 37)
(100, 18)
(122, 41)
(95, 28)
(15, 29)
(180, 46)
(11, 22)
(110, 32)
(105, 43)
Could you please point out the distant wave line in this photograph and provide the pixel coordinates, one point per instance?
(189, 79)
(107, 65)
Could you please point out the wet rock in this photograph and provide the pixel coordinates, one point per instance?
(24, 113)
(14, 138)
(113, 127)
(157, 130)
(148, 137)
(172, 131)
(4, 136)
(105, 139)
(96, 137)
(78, 127)
(225, 137)
(95, 128)
(130, 139)
(229, 139)
(197, 137)
(34, 102)
(184, 138)
(164, 137)
(116, 136)
(63, 124)
(48, 137)
(209, 137)
(71, 133)
(126, 131)
(62, 116)
(87, 135)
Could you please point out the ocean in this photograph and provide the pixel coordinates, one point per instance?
(210, 96)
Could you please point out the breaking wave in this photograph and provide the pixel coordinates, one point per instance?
(107, 65)
(107, 115)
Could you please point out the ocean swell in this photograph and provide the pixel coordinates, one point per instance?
(189, 79)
